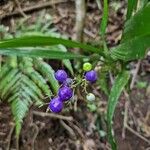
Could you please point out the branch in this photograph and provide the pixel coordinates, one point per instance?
(80, 19)
(10, 136)
(52, 115)
(137, 134)
(20, 9)
(135, 74)
(33, 8)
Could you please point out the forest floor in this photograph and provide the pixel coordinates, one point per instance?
(87, 129)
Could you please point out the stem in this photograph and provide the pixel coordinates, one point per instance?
(80, 19)
(17, 143)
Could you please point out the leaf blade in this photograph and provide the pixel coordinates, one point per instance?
(119, 84)
(132, 4)
(138, 25)
(32, 41)
(136, 37)
(131, 50)
(103, 25)
(31, 52)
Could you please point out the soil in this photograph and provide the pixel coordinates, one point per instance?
(46, 133)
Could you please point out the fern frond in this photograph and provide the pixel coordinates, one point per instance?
(19, 107)
(29, 83)
(12, 61)
(29, 92)
(25, 81)
(47, 71)
(4, 70)
(39, 80)
(12, 73)
(9, 85)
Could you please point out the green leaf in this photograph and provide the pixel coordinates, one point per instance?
(12, 73)
(119, 84)
(40, 81)
(134, 49)
(68, 65)
(47, 53)
(141, 84)
(47, 71)
(144, 2)
(9, 84)
(136, 37)
(103, 82)
(66, 62)
(32, 41)
(19, 108)
(104, 18)
(132, 4)
(138, 25)
(31, 85)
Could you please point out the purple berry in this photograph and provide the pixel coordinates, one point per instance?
(91, 76)
(56, 105)
(61, 75)
(65, 93)
(68, 82)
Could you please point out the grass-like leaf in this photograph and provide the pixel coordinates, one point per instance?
(34, 41)
(119, 84)
(104, 18)
(34, 52)
(132, 4)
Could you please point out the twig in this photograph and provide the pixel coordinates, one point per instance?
(20, 9)
(35, 134)
(33, 8)
(9, 136)
(111, 78)
(17, 143)
(89, 33)
(80, 19)
(42, 114)
(137, 134)
(77, 129)
(125, 125)
(125, 119)
(135, 74)
(69, 129)
(99, 4)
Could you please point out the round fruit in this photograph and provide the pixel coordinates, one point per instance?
(90, 97)
(61, 75)
(65, 93)
(91, 76)
(87, 66)
(68, 82)
(56, 105)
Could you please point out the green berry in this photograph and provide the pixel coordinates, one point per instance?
(87, 66)
(90, 97)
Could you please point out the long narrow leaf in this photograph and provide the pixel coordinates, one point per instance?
(32, 41)
(104, 18)
(40, 53)
(132, 4)
(119, 84)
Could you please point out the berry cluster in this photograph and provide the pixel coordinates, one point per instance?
(90, 75)
(65, 92)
